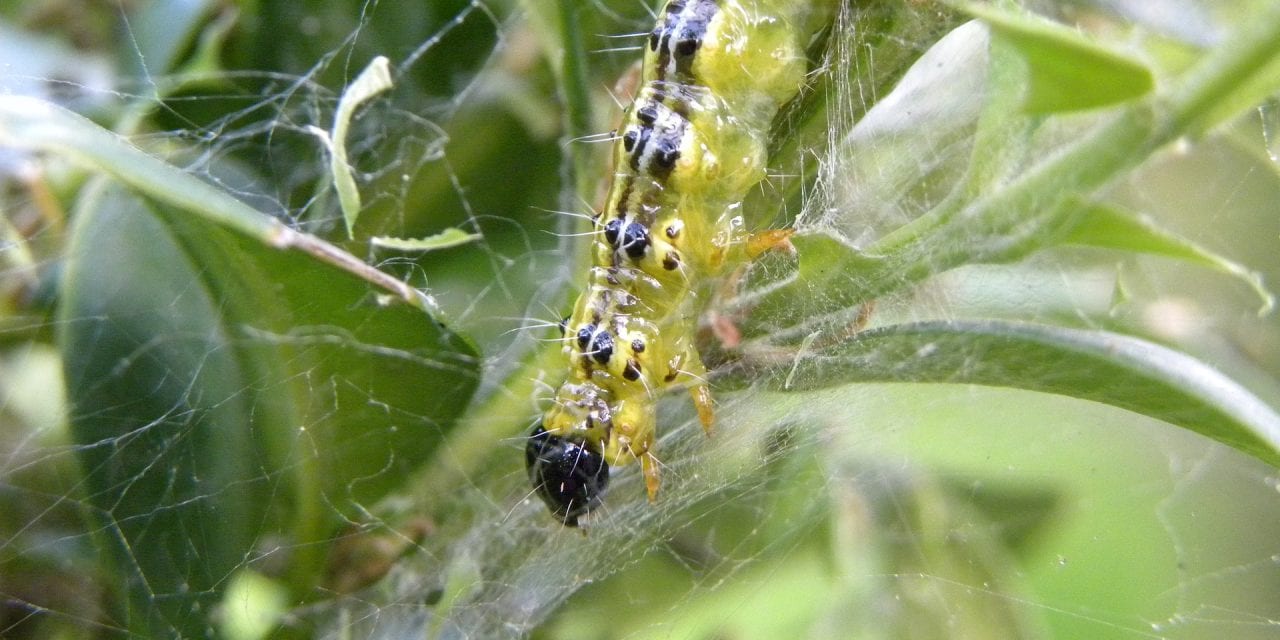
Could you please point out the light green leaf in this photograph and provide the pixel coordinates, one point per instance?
(375, 79)
(252, 606)
(1121, 371)
(451, 237)
(1102, 225)
(1067, 71)
(37, 125)
(29, 123)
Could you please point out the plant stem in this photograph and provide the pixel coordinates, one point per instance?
(1240, 62)
(32, 124)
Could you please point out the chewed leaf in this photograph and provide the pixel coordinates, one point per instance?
(1067, 72)
(1114, 228)
(1104, 367)
(375, 79)
(450, 237)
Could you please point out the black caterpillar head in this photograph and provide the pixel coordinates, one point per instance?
(567, 475)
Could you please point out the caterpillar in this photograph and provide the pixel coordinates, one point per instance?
(714, 75)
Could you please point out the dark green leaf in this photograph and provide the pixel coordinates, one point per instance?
(161, 32)
(227, 395)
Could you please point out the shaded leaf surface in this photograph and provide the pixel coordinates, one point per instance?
(228, 398)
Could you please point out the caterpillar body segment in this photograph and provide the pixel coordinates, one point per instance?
(690, 147)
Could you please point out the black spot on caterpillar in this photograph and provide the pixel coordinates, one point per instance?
(715, 74)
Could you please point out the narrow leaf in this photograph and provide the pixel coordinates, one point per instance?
(375, 79)
(451, 237)
(1111, 227)
(29, 123)
(37, 125)
(1067, 71)
(1104, 367)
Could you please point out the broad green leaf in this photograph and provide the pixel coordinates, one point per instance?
(225, 394)
(169, 412)
(1102, 225)
(1103, 367)
(1067, 71)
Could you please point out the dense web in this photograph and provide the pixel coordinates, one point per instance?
(824, 504)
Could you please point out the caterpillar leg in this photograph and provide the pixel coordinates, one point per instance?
(723, 327)
(756, 244)
(769, 240)
(864, 316)
(702, 402)
(855, 326)
(649, 466)
(699, 391)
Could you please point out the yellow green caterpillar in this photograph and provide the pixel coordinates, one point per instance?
(692, 144)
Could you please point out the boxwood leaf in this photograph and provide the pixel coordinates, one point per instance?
(229, 399)
(1066, 70)
(1113, 369)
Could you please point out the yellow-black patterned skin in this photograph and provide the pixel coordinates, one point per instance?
(693, 143)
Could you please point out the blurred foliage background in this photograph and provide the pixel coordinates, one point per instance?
(1059, 424)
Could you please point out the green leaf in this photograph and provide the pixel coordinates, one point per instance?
(224, 393)
(166, 410)
(1103, 367)
(1241, 72)
(971, 576)
(252, 606)
(1066, 71)
(451, 237)
(375, 79)
(1108, 226)
(28, 123)
(161, 32)
(1030, 207)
